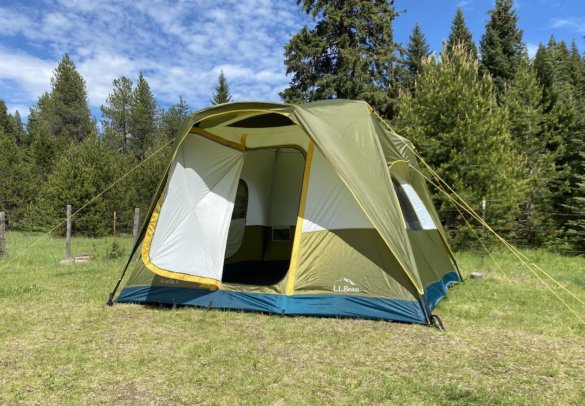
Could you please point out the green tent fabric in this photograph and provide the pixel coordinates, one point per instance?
(314, 209)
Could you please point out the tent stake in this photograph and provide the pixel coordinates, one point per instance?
(437, 322)
(68, 234)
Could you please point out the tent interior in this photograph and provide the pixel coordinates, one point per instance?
(261, 231)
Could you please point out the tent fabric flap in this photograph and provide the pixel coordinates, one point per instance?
(189, 239)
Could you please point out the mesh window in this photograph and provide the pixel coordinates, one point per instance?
(408, 211)
(241, 203)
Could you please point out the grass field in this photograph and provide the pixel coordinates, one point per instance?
(508, 341)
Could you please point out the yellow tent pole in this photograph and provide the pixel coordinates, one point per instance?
(294, 261)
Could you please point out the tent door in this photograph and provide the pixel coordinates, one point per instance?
(262, 227)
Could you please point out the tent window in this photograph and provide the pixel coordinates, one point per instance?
(415, 213)
(238, 223)
(241, 203)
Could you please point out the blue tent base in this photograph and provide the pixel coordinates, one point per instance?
(309, 305)
(438, 290)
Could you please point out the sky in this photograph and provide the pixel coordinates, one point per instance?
(182, 45)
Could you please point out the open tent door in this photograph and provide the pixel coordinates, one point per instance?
(266, 209)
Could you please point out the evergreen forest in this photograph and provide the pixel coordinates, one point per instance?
(496, 124)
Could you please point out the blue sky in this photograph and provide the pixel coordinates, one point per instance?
(182, 45)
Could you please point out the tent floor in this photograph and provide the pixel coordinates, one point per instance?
(255, 272)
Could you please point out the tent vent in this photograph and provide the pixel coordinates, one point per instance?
(263, 121)
(280, 233)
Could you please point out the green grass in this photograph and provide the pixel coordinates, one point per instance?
(508, 341)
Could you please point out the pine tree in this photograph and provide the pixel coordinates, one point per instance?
(553, 67)
(350, 53)
(5, 123)
(12, 124)
(575, 157)
(417, 51)
(501, 46)
(564, 126)
(222, 91)
(172, 119)
(142, 118)
(22, 138)
(116, 114)
(577, 71)
(44, 146)
(81, 172)
(148, 178)
(576, 207)
(70, 112)
(524, 102)
(460, 34)
(454, 121)
(17, 182)
(59, 117)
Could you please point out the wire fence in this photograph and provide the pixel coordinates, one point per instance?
(82, 243)
(121, 224)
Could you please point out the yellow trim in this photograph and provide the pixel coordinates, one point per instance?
(207, 283)
(243, 139)
(397, 161)
(213, 137)
(177, 149)
(294, 259)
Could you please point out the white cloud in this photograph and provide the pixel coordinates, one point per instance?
(22, 109)
(32, 74)
(531, 48)
(12, 22)
(465, 4)
(575, 24)
(179, 45)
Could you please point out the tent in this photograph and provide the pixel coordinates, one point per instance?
(311, 209)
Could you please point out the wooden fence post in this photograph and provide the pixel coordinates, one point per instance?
(68, 235)
(135, 227)
(483, 204)
(115, 220)
(2, 233)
